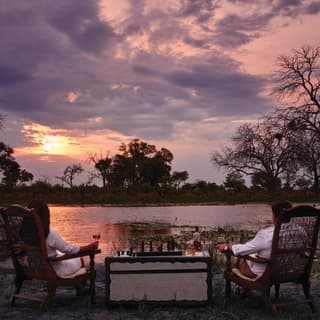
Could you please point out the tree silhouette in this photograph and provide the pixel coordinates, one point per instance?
(263, 151)
(69, 174)
(10, 168)
(141, 163)
(102, 164)
(298, 77)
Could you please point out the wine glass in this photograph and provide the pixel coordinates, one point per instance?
(96, 236)
(221, 240)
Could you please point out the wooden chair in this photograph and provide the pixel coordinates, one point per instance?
(27, 247)
(291, 258)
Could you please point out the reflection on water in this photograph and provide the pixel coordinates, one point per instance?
(118, 225)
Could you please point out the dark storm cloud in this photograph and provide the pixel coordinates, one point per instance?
(143, 70)
(44, 46)
(79, 20)
(295, 8)
(10, 76)
(202, 10)
(222, 89)
(234, 30)
(198, 43)
(228, 92)
(313, 8)
(138, 22)
(150, 95)
(50, 49)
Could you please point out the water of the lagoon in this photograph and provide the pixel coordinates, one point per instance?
(118, 224)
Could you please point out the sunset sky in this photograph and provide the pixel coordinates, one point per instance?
(83, 76)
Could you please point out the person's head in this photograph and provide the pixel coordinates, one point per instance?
(43, 211)
(278, 208)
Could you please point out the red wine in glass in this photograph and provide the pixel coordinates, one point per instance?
(96, 236)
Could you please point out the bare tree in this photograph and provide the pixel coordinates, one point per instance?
(298, 76)
(282, 144)
(69, 174)
(305, 128)
(298, 81)
(263, 151)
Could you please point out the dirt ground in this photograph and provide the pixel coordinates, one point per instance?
(67, 306)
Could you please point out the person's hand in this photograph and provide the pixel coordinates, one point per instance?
(93, 245)
(223, 247)
(90, 246)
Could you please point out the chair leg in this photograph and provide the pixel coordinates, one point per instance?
(18, 283)
(92, 290)
(306, 290)
(228, 288)
(277, 290)
(269, 305)
(51, 293)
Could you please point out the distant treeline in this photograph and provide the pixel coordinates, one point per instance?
(146, 195)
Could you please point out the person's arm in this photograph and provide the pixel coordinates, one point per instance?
(252, 246)
(54, 241)
(90, 246)
(255, 245)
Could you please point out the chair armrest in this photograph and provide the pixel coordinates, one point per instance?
(76, 255)
(255, 258)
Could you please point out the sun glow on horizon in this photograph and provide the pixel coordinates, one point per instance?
(45, 140)
(48, 143)
(54, 145)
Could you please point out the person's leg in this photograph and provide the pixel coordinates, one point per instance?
(242, 265)
(244, 268)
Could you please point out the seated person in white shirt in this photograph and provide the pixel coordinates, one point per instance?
(261, 244)
(57, 246)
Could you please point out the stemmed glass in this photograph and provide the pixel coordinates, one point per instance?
(221, 240)
(96, 236)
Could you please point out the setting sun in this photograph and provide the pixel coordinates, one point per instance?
(54, 145)
(48, 143)
(46, 140)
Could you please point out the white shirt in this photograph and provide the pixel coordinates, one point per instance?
(57, 246)
(261, 244)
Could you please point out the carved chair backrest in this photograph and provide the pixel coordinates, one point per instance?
(27, 243)
(294, 245)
